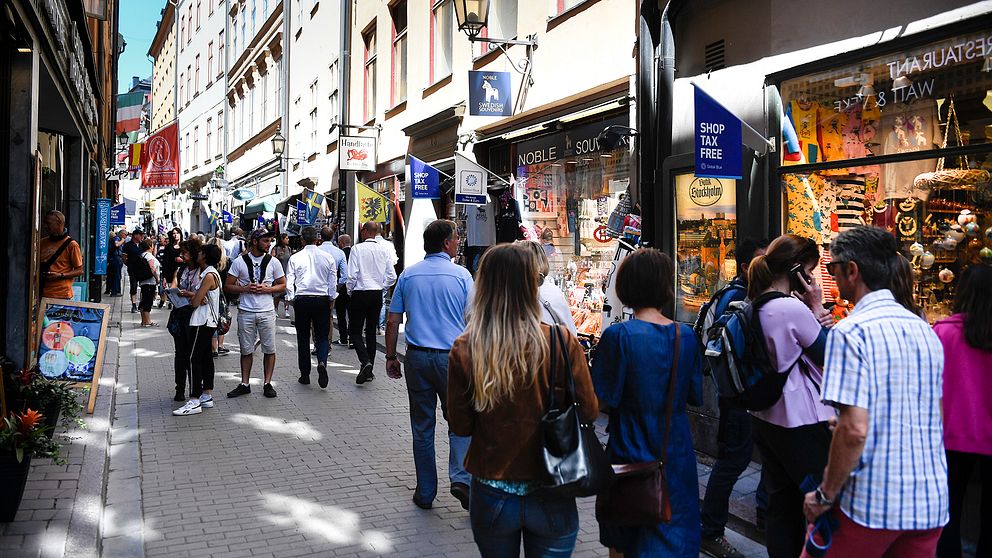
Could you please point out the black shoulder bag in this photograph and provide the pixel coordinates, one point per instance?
(574, 461)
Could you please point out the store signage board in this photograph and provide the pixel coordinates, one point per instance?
(576, 141)
(117, 214)
(719, 139)
(470, 181)
(73, 342)
(160, 159)
(102, 236)
(490, 94)
(425, 181)
(228, 217)
(302, 213)
(357, 153)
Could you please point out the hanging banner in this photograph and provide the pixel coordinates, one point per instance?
(371, 204)
(470, 181)
(228, 217)
(302, 215)
(425, 181)
(357, 153)
(315, 202)
(160, 159)
(102, 236)
(490, 94)
(117, 214)
(719, 139)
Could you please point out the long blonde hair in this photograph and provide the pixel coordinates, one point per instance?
(217, 241)
(505, 339)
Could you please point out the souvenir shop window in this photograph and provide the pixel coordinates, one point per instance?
(892, 104)
(566, 204)
(941, 218)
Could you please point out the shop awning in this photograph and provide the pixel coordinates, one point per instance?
(288, 202)
(262, 205)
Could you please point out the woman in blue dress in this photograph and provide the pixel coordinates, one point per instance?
(631, 374)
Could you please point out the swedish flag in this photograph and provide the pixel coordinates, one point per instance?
(314, 202)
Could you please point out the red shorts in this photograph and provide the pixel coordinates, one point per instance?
(852, 540)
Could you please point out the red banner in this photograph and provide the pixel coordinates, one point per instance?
(160, 159)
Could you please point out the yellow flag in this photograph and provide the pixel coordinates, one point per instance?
(371, 204)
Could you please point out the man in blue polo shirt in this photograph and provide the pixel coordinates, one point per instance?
(433, 294)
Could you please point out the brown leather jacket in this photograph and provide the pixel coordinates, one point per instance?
(505, 440)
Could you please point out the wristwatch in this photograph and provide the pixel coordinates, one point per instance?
(822, 499)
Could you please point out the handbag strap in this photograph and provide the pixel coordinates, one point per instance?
(671, 390)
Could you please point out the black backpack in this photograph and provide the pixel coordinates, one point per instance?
(265, 264)
(141, 270)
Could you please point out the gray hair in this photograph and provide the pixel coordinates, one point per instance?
(309, 235)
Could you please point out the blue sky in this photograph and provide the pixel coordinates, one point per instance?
(137, 24)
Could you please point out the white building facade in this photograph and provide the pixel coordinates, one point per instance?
(255, 102)
(200, 91)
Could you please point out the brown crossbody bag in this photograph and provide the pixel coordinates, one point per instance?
(639, 496)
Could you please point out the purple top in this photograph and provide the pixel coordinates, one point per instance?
(789, 327)
(967, 390)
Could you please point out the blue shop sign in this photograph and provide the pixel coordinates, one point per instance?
(425, 181)
(719, 148)
(490, 94)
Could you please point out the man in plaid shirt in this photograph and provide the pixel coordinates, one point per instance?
(886, 478)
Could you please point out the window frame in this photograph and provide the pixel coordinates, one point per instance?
(370, 60)
(210, 61)
(398, 39)
(196, 81)
(220, 132)
(435, 6)
(209, 138)
(221, 62)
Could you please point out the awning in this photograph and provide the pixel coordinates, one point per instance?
(285, 204)
(262, 205)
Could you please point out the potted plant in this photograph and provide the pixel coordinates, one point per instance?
(54, 398)
(23, 435)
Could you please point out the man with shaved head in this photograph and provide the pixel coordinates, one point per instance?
(370, 271)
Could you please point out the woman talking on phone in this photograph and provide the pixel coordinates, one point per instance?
(793, 434)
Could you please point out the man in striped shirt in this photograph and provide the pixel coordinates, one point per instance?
(886, 471)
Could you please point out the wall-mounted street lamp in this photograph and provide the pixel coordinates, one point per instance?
(278, 144)
(473, 15)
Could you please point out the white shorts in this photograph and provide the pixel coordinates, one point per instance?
(257, 325)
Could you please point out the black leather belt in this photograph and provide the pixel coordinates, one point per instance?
(317, 297)
(426, 350)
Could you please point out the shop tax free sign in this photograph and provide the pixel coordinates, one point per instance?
(719, 135)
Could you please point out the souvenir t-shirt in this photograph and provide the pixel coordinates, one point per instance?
(850, 207)
(248, 302)
(508, 222)
(480, 223)
(804, 215)
(832, 123)
(905, 128)
(804, 118)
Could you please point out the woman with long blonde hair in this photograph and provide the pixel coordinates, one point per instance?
(217, 344)
(499, 374)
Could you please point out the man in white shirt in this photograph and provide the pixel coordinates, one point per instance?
(388, 244)
(341, 263)
(235, 245)
(148, 286)
(370, 272)
(255, 277)
(311, 285)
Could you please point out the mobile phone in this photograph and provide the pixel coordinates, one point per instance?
(799, 278)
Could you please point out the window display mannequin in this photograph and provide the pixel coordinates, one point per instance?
(507, 215)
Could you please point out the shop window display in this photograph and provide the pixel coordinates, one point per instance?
(566, 204)
(927, 100)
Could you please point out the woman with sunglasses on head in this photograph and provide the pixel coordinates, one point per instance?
(499, 373)
(967, 402)
(792, 434)
(554, 307)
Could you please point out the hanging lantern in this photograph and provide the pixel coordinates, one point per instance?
(966, 216)
(986, 255)
(916, 249)
(927, 260)
(945, 275)
(956, 233)
(972, 229)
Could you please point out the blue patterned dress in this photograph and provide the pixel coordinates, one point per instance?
(631, 373)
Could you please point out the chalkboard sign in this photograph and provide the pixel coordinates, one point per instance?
(73, 342)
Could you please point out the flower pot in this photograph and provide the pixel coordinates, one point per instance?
(13, 477)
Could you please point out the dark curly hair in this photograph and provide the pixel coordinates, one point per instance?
(974, 300)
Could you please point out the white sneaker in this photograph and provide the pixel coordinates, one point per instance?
(206, 401)
(192, 407)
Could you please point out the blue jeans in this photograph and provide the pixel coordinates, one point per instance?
(426, 382)
(547, 523)
(734, 447)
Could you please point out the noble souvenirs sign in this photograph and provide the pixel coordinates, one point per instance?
(490, 94)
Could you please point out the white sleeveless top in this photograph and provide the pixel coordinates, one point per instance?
(207, 314)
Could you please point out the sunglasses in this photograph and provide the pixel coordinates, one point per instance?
(830, 265)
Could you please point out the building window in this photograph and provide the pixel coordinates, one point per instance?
(209, 143)
(182, 87)
(334, 98)
(253, 15)
(197, 15)
(182, 30)
(189, 18)
(189, 77)
(265, 99)
(502, 23)
(196, 144)
(562, 6)
(220, 132)
(398, 89)
(210, 60)
(242, 124)
(278, 97)
(370, 59)
(313, 116)
(244, 40)
(220, 53)
(235, 36)
(442, 30)
(196, 80)
(252, 124)
(210, 8)
(186, 152)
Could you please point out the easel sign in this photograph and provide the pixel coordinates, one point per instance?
(73, 342)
